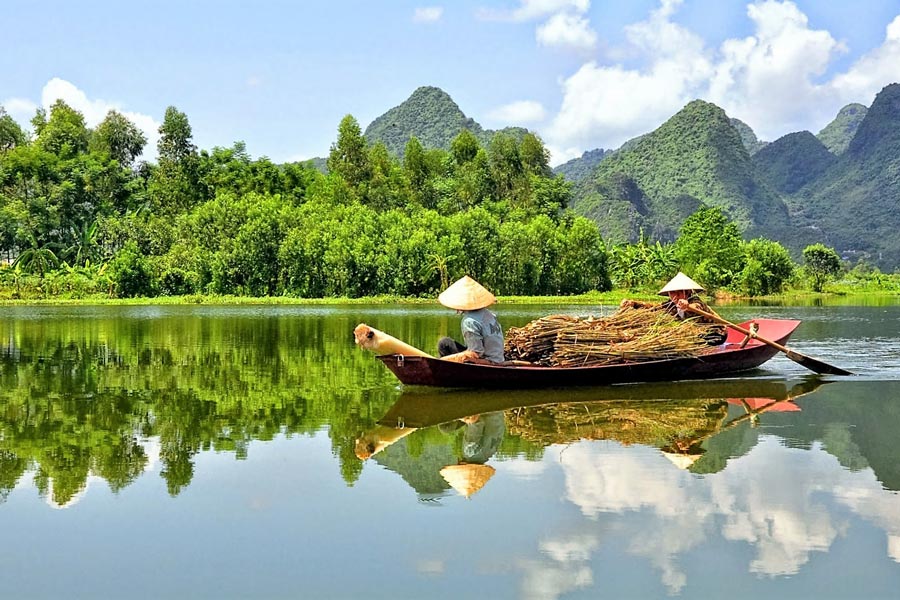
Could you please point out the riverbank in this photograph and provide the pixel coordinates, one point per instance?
(798, 298)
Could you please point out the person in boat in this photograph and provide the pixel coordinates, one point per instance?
(481, 332)
(682, 296)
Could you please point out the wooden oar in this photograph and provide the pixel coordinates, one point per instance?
(813, 364)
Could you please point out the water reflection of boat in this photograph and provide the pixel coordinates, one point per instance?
(676, 418)
(423, 408)
(736, 355)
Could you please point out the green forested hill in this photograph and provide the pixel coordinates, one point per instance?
(837, 135)
(430, 115)
(792, 161)
(695, 158)
(855, 203)
(748, 137)
(579, 168)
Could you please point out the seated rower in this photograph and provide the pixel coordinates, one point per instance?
(480, 329)
(682, 293)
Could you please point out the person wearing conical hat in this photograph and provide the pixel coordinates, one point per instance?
(682, 292)
(481, 332)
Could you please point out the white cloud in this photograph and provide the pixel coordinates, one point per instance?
(93, 110)
(772, 79)
(769, 80)
(428, 14)
(516, 113)
(872, 71)
(566, 25)
(565, 29)
(254, 81)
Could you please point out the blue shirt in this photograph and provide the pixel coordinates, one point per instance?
(482, 334)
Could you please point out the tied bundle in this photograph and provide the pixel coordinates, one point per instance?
(629, 335)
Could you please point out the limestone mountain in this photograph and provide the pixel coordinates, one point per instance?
(581, 167)
(793, 161)
(695, 158)
(431, 115)
(748, 137)
(837, 135)
(856, 203)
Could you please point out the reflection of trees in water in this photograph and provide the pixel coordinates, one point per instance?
(80, 397)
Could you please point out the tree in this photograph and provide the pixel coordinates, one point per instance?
(118, 137)
(174, 184)
(535, 157)
(464, 147)
(349, 157)
(709, 248)
(822, 263)
(175, 143)
(507, 170)
(64, 133)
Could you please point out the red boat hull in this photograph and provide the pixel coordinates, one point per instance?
(718, 361)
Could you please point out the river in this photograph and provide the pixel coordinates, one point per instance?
(254, 451)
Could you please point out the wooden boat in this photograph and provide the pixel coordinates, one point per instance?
(736, 355)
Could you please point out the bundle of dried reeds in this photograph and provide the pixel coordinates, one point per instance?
(626, 336)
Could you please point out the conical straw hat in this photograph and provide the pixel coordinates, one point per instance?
(681, 282)
(467, 479)
(466, 294)
(682, 461)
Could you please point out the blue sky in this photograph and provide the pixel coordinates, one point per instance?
(584, 74)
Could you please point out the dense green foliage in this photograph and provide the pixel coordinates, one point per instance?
(792, 161)
(79, 217)
(836, 136)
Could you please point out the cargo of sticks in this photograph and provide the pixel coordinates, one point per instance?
(628, 335)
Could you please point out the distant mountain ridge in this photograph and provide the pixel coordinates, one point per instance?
(836, 136)
(792, 161)
(579, 168)
(855, 203)
(697, 157)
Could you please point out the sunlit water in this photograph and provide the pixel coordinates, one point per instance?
(215, 452)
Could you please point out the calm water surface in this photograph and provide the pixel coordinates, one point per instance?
(218, 452)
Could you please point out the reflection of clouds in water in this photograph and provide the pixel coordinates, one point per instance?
(565, 570)
(774, 498)
(769, 503)
(524, 469)
(606, 477)
(875, 504)
(431, 567)
(571, 549)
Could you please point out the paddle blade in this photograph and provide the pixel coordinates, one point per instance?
(815, 365)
